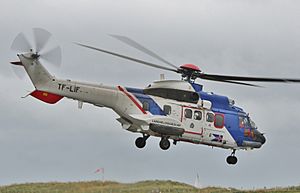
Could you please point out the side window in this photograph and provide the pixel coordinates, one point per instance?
(197, 115)
(167, 109)
(188, 113)
(146, 106)
(219, 121)
(210, 117)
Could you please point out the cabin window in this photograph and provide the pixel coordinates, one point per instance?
(197, 115)
(146, 106)
(219, 121)
(188, 113)
(210, 117)
(167, 109)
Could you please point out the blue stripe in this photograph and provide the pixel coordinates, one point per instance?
(232, 125)
(134, 90)
(197, 87)
(154, 108)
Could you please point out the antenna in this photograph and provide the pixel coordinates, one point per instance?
(197, 182)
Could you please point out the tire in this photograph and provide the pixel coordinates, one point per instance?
(232, 160)
(140, 142)
(164, 144)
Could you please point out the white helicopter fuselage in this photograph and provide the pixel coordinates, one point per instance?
(175, 110)
(134, 116)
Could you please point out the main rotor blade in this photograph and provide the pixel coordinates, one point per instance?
(128, 58)
(245, 78)
(21, 43)
(41, 38)
(141, 48)
(234, 82)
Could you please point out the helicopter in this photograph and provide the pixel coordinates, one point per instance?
(172, 110)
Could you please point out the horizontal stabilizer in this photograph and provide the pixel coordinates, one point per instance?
(18, 63)
(46, 96)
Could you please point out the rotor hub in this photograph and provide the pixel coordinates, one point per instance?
(35, 55)
(191, 67)
(189, 72)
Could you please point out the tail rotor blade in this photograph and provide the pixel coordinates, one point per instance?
(41, 37)
(53, 56)
(21, 43)
(19, 71)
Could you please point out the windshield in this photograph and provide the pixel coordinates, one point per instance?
(252, 124)
(246, 122)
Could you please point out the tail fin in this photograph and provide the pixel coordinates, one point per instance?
(38, 74)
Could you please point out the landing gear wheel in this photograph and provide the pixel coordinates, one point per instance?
(140, 142)
(164, 144)
(231, 160)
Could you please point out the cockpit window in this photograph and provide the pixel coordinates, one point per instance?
(241, 122)
(252, 124)
(246, 122)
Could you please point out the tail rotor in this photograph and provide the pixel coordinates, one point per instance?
(21, 44)
(40, 51)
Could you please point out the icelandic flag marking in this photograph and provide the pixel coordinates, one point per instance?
(217, 138)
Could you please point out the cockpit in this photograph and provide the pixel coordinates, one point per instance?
(251, 131)
(246, 122)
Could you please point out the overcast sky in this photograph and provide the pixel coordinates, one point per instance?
(40, 142)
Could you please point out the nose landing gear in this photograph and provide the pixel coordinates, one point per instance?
(232, 160)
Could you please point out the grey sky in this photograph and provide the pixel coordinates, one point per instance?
(40, 142)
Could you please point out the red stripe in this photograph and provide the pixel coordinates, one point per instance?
(190, 141)
(181, 114)
(195, 133)
(132, 99)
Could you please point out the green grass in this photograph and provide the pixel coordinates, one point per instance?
(156, 186)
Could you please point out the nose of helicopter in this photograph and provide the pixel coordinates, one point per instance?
(260, 137)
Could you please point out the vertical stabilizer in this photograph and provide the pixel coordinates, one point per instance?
(38, 74)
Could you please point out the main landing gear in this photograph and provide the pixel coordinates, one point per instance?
(232, 160)
(164, 143)
(141, 141)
